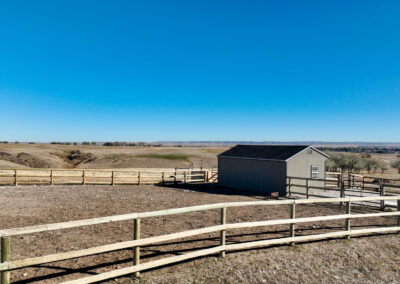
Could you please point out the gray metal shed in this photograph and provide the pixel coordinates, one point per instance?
(264, 168)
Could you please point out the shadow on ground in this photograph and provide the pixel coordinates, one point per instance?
(213, 188)
(152, 251)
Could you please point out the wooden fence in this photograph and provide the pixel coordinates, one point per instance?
(363, 182)
(106, 176)
(339, 188)
(7, 265)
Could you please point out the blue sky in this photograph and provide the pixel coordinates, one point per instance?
(200, 70)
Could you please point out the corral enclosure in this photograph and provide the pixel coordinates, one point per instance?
(41, 205)
(34, 205)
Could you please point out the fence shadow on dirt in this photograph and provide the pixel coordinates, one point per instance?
(151, 251)
(213, 188)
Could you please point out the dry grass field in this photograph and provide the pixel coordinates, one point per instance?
(360, 260)
(96, 157)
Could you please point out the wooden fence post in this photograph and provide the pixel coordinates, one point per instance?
(398, 217)
(184, 177)
(342, 190)
(16, 177)
(348, 179)
(163, 177)
(83, 177)
(138, 178)
(175, 177)
(112, 178)
(136, 250)
(363, 182)
(290, 187)
(5, 256)
(307, 189)
(348, 211)
(51, 177)
(338, 180)
(292, 216)
(223, 232)
(205, 176)
(382, 193)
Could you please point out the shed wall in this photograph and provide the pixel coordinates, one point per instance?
(300, 166)
(252, 175)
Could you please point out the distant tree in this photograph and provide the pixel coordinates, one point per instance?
(345, 162)
(376, 166)
(396, 165)
(108, 144)
(359, 165)
(75, 143)
(383, 167)
(93, 143)
(85, 143)
(371, 164)
(331, 165)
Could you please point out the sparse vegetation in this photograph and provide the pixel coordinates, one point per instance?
(354, 163)
(77, 157)
(362, 149)
(396, 165)
(182, 157)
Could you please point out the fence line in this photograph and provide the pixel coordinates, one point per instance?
(345, 187)
(7, 265)
(106, 176)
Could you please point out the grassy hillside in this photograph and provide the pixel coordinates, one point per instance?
(91, 156)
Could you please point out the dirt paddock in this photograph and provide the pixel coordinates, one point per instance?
(374, 259)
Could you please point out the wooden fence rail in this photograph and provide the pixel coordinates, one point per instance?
(106, 176)
(7, 265)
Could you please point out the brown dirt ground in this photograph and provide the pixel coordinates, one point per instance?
(373, 259)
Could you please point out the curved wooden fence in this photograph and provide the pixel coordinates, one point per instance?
(7, 265)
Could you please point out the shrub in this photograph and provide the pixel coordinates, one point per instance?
(396, 165)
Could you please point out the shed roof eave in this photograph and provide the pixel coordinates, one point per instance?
(246, 158)
(309, 147)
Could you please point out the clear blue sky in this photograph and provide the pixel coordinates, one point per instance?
(200, 70)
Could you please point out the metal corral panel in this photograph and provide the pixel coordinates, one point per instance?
(254, 175)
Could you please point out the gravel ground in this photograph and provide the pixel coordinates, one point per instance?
(374, 259)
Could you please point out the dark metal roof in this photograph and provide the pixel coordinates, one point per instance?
(267, 152)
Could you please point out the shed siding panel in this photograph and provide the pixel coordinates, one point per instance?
(252, 175)
(300, 166)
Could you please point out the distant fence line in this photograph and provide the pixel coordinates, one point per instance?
(107, 176)
(7, 265)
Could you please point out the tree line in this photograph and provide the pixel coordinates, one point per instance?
(356, 163)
